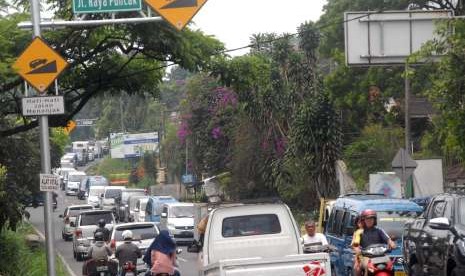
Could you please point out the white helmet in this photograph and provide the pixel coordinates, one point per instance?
(127, 235)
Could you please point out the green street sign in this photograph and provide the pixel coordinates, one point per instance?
(96, 6)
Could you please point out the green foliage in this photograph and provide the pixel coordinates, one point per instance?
(16, 258)
(150, 166)
(372, 152)
(114, 168)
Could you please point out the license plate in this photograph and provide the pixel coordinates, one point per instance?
(102, 268)
(129, 274)
(399, 273)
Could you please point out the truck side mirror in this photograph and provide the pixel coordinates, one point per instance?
(441, 223)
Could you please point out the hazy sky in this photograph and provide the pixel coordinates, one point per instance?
(234, 21)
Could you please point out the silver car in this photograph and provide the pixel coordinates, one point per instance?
(86, 224)
(69, 219)
(143, 235)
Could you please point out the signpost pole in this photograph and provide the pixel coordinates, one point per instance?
(45, 159)
(407, 109)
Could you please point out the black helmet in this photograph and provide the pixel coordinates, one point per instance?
(101, 223)
(98, 236)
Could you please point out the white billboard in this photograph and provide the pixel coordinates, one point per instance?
(388, 37)
(133, 145)
(386, 183)
(428, 178)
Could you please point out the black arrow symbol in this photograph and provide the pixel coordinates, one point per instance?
(181, 4)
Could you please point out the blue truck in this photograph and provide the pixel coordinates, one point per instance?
(339, 227)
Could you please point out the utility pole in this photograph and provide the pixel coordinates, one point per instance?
(45, 158)
(121, 112)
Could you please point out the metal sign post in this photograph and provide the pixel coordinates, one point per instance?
(403, 165)
(45, 159)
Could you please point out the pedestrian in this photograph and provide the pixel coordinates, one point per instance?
(312, 236)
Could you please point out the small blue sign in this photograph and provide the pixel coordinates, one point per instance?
(187, 178)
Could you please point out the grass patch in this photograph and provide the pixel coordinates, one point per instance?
(16, 258)
(112, 168)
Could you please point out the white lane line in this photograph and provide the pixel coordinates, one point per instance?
(182, 259)
(65, 263)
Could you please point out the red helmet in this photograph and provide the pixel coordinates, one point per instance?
(368, 213)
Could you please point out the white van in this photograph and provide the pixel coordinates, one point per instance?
(178, 219)
(74, 181)
(107, 199)
(94, 195)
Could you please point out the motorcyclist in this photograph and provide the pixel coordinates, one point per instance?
(101, 228)
(370, 235)
(98, 251)
(128, 251)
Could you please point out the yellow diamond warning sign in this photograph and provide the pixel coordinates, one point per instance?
(176, 12)
(39, 64)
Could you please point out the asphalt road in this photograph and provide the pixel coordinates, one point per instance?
(187, 261)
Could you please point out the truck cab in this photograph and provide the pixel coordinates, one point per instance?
(251, 238)
(393, 213)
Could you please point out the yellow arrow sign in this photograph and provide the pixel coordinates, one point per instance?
(176, 12)
(70, 126)
(39, 64)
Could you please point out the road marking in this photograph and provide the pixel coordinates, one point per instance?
(182, 259)
(65, 263)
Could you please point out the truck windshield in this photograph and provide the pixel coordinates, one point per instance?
(393, 222)
(182, 212)
(250, 225)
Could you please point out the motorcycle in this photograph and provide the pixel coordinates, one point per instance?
(100, 268)
(129, 269)
(379, 263)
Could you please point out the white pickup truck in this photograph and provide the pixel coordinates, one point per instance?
(258, 240)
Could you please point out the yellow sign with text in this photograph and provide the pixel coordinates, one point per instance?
(39, 64)
(176, 12)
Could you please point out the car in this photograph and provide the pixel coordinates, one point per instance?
(393, 213)
(178, 219)
(36, 62)
(132, 203)
(74, 180)
(63, 173)
(107, 199)
(86, 224)
(143, 235)
(89, 181)
(139, 210)
(122, 207)
(434, 243)
(94, 195)
(154, 207)
(69, 219)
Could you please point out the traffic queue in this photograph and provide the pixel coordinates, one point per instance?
(361, 234)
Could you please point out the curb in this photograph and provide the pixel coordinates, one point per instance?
(67, 267)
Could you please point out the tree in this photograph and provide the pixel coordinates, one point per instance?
(372, 152)
(129, 59)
